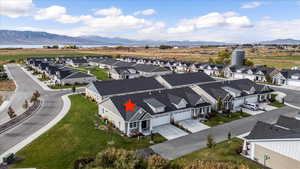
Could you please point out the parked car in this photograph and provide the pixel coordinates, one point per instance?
(251, 106)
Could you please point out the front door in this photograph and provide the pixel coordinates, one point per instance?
(144, 124)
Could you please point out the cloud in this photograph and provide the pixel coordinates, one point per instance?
(251, 5)
(15, 8)
(156, 27)
(109, 12)
(145, 12)
(212, 20)
(59, 14)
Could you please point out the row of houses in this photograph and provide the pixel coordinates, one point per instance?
(170, 98)
(59, 74)
(258, 73)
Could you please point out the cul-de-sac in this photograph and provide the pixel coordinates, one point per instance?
(123, 85)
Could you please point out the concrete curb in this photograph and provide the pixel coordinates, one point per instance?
(293, 106)
(283, 87)
(22, 144)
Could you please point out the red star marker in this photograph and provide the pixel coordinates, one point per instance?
(129, 106)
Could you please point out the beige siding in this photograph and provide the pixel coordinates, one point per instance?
(276, 161)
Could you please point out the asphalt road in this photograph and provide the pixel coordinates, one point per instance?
(184, 145)
(293, 96)
(50, 108)
(25, 88)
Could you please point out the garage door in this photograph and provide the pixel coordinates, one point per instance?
(182, 116)
(294, 83)
(158, 121)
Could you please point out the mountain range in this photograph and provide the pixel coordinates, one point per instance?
(12, 37)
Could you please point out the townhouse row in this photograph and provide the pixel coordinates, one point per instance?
(170, 98)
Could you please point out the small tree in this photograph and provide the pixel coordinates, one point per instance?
(11, 113)
(25, 105)
(210, 141)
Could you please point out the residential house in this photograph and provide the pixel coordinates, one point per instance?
(71, 77)
(233, 93)
(153, 109)
(275, 146)
(150, 70)
(255, 73)
(184, 79)
(287, 77)
(123, 73)
(77, 62)
(99, 90)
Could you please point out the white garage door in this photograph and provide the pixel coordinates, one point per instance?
(294, 83)
(158, 121)
(182, 116)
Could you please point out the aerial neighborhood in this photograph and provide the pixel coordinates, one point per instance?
(149, 84)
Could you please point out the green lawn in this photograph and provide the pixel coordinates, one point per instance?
(101, 74)
(66, 86)
(74, 137)
(277, 104)
(222, 152)
(219, 119)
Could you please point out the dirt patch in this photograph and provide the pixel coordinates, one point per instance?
(7, 85)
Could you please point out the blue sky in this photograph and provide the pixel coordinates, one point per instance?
(211, 20)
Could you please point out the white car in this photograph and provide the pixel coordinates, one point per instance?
(251, 106)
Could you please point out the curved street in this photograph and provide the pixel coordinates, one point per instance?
(51, 106)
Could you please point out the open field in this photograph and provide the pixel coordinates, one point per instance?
(271, 57)
(75, 137)
(222, 152)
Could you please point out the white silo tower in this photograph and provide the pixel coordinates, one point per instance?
(237, 57)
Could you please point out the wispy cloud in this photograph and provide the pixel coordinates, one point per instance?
(252, 5)
(145, 12)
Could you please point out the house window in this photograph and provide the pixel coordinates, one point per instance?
(133, 125)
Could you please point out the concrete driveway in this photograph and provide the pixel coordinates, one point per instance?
(193, 125)
(170, 131)
(252, 112)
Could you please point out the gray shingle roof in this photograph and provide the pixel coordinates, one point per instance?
(162, 96)
(187, 78)
(112, 87)
(285, 128)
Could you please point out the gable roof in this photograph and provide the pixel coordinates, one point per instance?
(218, 89)
(285, 128)
(161, 97)
(149, 68)
(112, 87)
(187, 78)
(77, 74)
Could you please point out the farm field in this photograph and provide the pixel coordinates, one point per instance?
(280, 59)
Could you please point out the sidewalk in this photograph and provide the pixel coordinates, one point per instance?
(62, 113)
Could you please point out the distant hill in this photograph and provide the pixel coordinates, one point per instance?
(12, 37)
(9, 37)
(281, 41)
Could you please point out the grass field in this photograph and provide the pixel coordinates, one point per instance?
(74, 137)
(219, 119)
(272, 58)
(100, 74)
(66, 86)
(223, 152)
(277, 104)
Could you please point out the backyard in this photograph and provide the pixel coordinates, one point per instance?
(221, 152)
(100, 74)
(75, 137)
